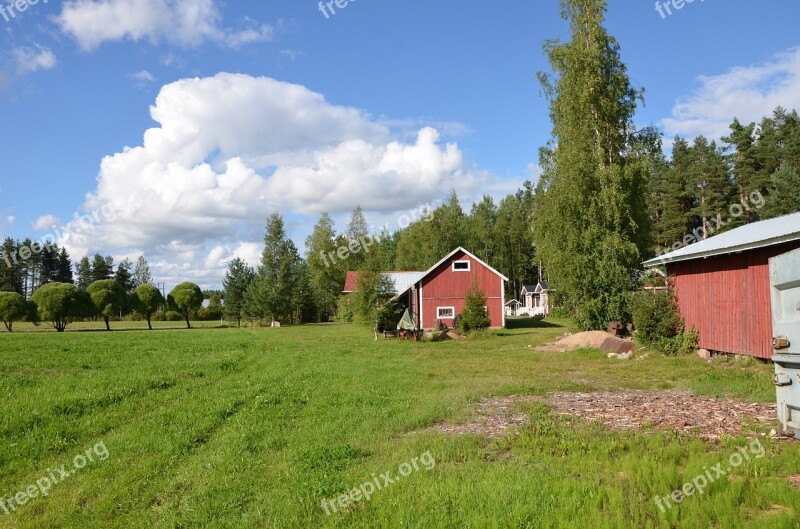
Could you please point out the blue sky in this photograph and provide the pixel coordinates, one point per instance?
(389, 104)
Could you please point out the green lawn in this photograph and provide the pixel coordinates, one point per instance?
(256, 427)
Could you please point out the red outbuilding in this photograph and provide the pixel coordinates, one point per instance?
(439, 293)
(723, 286)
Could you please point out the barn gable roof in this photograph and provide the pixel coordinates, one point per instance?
(451, 254)
(748, 237)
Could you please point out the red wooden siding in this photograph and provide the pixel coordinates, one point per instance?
(445, 288)
(727, 298)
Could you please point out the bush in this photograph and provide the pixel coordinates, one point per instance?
(344, 312)
(173, 315)
(474, 317)
(655, 316)
(659, 324)
(682, 343)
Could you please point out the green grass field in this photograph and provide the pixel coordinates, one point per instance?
(253, 428)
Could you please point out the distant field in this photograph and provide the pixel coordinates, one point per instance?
(253, 428)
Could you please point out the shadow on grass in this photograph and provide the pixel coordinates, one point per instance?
(529, 323)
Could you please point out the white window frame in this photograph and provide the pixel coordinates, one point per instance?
(439, 313)
(468, 269)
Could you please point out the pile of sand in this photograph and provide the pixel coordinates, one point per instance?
(573, 342)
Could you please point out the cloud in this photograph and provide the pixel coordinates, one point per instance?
(143, 76)
(746, 92)
(292, 54)
(45, 222)
(29, 60)
(186, 23)
(230, 149)
(10, 220)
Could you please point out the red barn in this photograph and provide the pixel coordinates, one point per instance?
(439, 293)
(723, 284)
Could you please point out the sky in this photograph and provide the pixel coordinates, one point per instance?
(173, 128)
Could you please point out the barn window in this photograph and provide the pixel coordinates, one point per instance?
(445, 313)
(461, 266)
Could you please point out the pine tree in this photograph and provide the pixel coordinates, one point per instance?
(784, 193)
(271, 295)
(479, 228)
(64, 268)
(357, 230)
(745, 164)
(709, 179)
(237, 280)
(102, 268)
(84, 270)
(679, 199)
(123, 275)
(326, 270)
(10, 269)
(49, 266)
(591, 221)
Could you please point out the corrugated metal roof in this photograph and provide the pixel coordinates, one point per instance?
(748, 237)
(402, 280)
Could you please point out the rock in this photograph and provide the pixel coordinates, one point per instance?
(625, 356)
(612, 355)
(773, 433)
(705, 354)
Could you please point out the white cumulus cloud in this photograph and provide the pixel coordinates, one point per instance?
(746, 92)
(30, 60)
(187, 23)
(45, 222)
(230, 149)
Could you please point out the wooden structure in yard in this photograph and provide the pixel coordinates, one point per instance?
(723, 286)
(435, 297)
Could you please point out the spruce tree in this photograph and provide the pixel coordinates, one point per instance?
(237, 279)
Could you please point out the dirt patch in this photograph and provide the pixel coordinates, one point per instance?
(573, 342)
(495, 416)
(676, 409)
(679, 410)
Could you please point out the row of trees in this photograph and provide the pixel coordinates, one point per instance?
(704, 185)
(60, 304)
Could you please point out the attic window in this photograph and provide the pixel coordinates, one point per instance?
(461, 266)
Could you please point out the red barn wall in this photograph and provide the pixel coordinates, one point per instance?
(445, 288)
(727, 298)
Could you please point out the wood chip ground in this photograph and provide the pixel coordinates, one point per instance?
(679, 410)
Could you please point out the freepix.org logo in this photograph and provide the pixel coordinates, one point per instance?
(10, 11)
